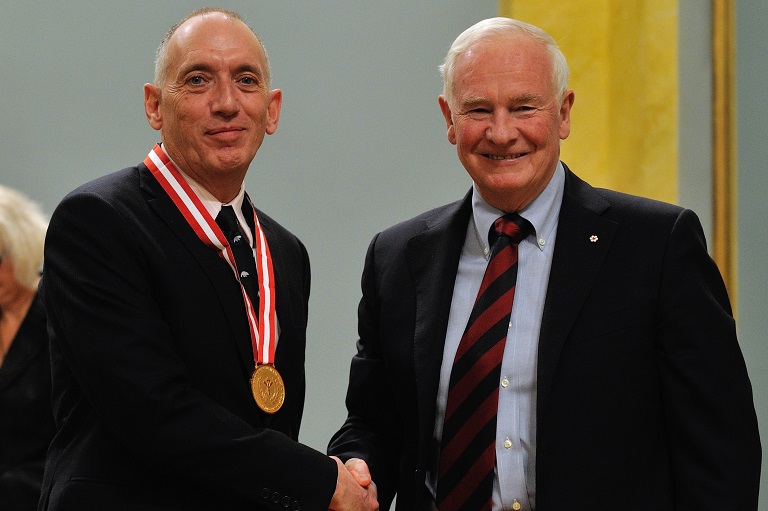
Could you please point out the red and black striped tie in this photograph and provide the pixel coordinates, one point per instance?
(468, 445)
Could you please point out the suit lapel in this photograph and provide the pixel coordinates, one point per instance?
(583, 240)
(217, 270)
(433, 259)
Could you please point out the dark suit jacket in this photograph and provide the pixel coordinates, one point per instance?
(643, 398)
(151, 360)
(26, 420)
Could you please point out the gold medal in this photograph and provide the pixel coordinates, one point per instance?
(268, 388)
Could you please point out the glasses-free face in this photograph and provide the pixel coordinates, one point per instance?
(506, 119)
(215, 107)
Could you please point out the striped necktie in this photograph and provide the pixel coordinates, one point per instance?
(468, 445)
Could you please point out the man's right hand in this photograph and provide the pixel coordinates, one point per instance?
(354, 488)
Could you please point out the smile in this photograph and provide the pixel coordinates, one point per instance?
(504, 157)
(219, 131)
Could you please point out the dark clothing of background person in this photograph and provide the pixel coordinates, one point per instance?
(26, 419)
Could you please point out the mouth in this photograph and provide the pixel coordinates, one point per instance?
(501, 157)
(224, 130)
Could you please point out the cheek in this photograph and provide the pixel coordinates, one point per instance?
(469, 134)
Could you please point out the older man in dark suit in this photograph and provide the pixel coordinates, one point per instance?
(177, 340)
(542, 344)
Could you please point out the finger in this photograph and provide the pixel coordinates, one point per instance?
(359, 470)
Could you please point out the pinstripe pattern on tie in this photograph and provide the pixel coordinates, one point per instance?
(467, 452)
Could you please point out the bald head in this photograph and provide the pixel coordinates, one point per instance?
(162, 56)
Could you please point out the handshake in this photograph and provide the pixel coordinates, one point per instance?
(355, 489)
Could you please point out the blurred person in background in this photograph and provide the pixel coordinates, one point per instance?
(26, 419)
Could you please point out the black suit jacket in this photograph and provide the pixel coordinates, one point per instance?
(26, 420)
(643, 400)
(151, 359)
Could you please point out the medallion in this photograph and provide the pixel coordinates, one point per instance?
(268, 388)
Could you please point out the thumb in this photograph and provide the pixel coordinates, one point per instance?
(359, 470)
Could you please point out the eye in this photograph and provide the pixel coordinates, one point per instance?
(249, 81)
(196, 80)
(524, 111)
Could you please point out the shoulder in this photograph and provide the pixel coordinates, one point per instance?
(115, 185)
(116, 191)
(620, 207)
(447, 217)
(283, 244)
(276, 229)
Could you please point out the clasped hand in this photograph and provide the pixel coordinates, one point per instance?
(355, 489)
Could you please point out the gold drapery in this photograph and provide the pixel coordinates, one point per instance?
(724, 143)
(624, 70)
(623, 61)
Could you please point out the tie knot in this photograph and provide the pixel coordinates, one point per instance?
(511, 225)
(227, 219)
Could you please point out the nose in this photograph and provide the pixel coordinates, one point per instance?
(502, 129)
(225, 101)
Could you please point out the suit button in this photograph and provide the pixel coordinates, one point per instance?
(286, 502)
(264, 493)
(275, 498)
(296, 505)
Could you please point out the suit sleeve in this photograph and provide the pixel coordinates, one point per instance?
(106, 319)
(706, 393)
(372, 429)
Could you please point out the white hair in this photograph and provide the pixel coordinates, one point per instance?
(500, 26)
(22, 235)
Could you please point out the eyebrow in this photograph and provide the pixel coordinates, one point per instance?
(200, 66)
(473, 101)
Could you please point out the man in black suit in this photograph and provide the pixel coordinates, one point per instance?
(615, 381)
(178, 365)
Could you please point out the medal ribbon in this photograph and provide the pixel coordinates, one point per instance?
(262, 327)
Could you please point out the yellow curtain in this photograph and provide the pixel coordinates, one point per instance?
(623, 61)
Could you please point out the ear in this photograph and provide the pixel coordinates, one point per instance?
(152, 106)
(446, 109)
(565, 115)
(275, 98)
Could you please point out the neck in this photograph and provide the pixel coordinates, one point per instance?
(223, 185)
(12, 314)
(18, 305)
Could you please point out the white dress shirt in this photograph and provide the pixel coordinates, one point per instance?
(514, 484)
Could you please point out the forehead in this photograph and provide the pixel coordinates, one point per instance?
(504, 61)
(214, 35)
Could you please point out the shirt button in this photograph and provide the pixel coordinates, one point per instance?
(542, 242)
(505, 383)
(516, 505)
(507, 443)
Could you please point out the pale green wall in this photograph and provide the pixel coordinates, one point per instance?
(752, 112)
(361, 142)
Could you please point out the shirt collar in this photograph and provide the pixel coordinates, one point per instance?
(211, 203)
(542, 212)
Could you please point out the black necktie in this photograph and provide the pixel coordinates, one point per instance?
(243, 252)
(468, 445)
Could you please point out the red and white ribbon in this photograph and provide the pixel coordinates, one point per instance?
(262, 326)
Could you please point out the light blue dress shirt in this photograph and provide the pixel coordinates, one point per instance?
(514, 484)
